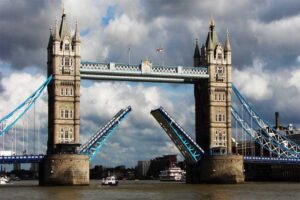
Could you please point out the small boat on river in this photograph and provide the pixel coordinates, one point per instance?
(110, 180)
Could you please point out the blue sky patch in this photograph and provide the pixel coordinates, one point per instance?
(110, 15)
(84, 32)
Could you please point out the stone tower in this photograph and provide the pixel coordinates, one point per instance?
(213, 111)
(64, 90)
(63, 165)
(213, 121)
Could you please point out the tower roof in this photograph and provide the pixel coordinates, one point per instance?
(64, 29)
(50, 39)
(197, 51)
(227, 46)
(212, 35)
(76, 36)
(209, 42)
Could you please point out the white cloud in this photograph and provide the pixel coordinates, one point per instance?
(254, 81)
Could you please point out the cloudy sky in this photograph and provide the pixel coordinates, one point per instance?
(266, 61)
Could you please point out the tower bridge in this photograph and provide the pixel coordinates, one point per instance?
(210, 157)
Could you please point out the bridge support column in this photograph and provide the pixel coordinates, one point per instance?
(217, 169)
(64, 169)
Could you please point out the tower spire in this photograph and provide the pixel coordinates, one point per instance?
(50, 39)
(227, 42)
(76, 37)
(56, 31)
(212, 24)
(197, 55)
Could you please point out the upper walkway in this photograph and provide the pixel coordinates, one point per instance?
(145, 72)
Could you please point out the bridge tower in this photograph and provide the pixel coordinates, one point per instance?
(213, 112)
(63, 165)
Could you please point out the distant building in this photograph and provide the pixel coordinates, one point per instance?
(143, 168)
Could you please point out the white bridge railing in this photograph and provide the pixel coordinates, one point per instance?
(142, 72)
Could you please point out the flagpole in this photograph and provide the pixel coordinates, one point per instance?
(129, 51)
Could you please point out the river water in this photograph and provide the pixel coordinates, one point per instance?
(151, 190)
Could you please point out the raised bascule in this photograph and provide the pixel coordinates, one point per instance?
(210, 158)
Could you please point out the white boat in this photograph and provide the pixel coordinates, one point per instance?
(172, 174)
(110, 180)
(4, 180)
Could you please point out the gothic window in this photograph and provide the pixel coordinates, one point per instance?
(62, 113)
(71, 114)
(62, 91)
(67, 61)
(66, 114)
(219, 56)
(220, 118)
(71, 91)
(66, 134)
(220, 138)
(67, 46)
(220, 70)
(67, 92)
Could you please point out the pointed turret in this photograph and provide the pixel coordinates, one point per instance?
(76, 37)
(56, 32)
(212, 24)
(213, 35)
(50, 39)
(227, 46)
(197, 55)
(209, 42)
(64, 29)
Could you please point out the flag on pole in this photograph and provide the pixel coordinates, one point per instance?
(160, 49)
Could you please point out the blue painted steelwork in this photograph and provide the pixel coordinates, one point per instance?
(21, 159)
(261, 139)
(271, 160)
(186, 145)
(95, 143)
(284, 143)
(10, 119)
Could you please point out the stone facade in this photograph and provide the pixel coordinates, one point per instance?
(217, 169)
(64, 169)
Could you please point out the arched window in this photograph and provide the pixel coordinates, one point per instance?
(67, 46)
(71, 114)
(66, 114)
(62, 113)
(62, 91)
(220, 118)
(67, 61)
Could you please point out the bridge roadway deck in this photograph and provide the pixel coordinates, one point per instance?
(145, 72)
(21, 159)
(247, 159)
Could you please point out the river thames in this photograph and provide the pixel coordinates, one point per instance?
(29, 190)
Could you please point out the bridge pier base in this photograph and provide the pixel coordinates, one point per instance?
(64, 169)
(217, 169)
